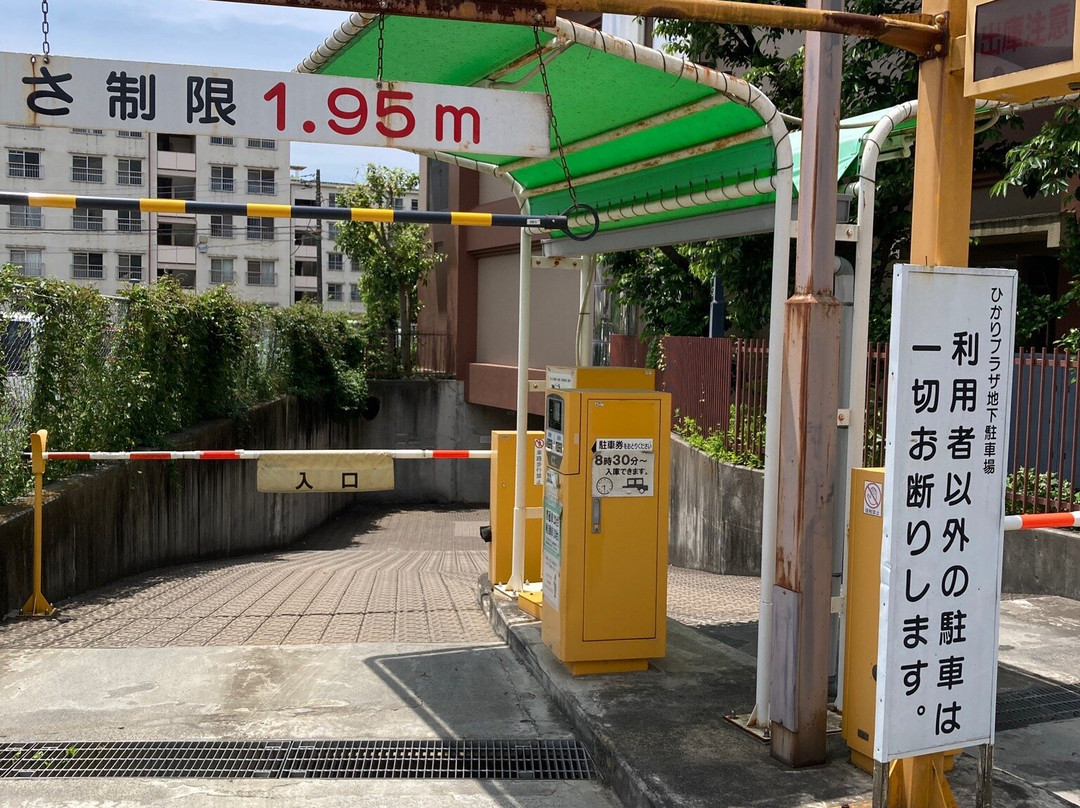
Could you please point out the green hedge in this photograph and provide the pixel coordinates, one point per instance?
(113, 374)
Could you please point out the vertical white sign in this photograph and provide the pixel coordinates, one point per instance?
(950, 376)
(552, 545)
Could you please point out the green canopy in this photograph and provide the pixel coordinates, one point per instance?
(649, 138)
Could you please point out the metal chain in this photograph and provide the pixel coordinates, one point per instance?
(45, 28)
(382, 45)
(554, 120)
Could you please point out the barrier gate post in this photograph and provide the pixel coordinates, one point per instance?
(37, 606)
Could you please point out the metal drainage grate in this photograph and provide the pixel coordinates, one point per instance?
(483, 760)
(1037, 705)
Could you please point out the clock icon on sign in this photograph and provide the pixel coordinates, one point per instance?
(604, 485)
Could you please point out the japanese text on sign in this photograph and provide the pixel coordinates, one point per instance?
(310, 472)
(1014, 35)
(224, 101)
(950, 377)
(623, 467)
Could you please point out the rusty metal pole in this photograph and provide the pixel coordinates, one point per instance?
(810, 397)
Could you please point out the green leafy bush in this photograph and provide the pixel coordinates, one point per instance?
(715, 444)
(112, 374)
(1036, 488)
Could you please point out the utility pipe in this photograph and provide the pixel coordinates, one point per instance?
(517, 555)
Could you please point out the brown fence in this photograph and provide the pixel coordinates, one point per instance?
(720, 384)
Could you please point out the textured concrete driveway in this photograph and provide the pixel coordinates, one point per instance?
(367, 576)
(373, 575)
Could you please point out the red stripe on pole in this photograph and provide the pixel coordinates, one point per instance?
(1036, 520)
(450, 454)
(151, 455)
(68, 455)
(219, 455)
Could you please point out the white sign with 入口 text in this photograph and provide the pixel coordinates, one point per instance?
(950, 376)
(223, 102)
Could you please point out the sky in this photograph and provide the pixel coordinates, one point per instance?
(195, 32)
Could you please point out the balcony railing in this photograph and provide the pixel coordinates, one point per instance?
(261, 278)
(28, 170)
(262, 187)
(129, 177)
(87, 175)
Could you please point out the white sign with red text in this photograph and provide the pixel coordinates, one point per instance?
(950, 386)
(222, 102)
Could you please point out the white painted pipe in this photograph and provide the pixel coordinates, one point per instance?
(778, 299)
(517, 557)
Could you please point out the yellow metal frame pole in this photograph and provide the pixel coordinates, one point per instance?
(37, 606)
(940, 227)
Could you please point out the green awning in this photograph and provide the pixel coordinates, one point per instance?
(655, 144)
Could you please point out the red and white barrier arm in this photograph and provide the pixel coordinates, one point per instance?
(1028, 521)
(246, 454)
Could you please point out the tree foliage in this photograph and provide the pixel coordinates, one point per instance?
(875, 76)
(393, 258)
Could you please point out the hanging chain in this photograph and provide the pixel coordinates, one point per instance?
(554, 120)
(382, 45)
(45, 29)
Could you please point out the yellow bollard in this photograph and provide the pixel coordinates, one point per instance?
(37, 606)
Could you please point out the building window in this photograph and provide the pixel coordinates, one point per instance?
(221, 270)
(333, 229)
(129, 171)
(335, 262)
(221, 225)
(261, 273)
(130, 133)
(129, 268)
(354, 293)
(88, 265)
(414, 204)
(175, 234)
(335, 291)
(129, 221)
(24, 216)
(175, 187)
(86, 219)
(306, 238)
(28, 262)
(332, 200)
(261, 143)
(398, 203)
(85, 168)
(87, 131)
(221, 179)
(261, 229)
(216, 140)
(24, 164)
(261, 181)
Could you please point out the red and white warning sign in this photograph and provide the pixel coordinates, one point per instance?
(871, 500)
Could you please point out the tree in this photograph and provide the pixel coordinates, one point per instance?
(393, 258)
(1048, 164)
(875, 76)
(660, 283)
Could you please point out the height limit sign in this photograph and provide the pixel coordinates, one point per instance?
(623, 467)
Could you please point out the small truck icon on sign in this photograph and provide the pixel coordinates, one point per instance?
(636, 482)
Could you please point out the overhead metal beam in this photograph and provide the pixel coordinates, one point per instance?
(922, 34)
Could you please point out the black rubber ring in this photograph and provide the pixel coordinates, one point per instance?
(595, 221)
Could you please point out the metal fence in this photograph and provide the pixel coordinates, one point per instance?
(721, 385)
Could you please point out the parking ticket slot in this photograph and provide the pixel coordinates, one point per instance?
(606, 528)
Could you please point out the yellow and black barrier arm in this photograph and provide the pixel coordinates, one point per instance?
(274, 211)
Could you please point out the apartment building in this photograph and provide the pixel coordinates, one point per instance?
(109, 250)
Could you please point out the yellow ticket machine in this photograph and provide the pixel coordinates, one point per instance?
(605, 531)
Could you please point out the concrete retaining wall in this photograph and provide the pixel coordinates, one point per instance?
(127, 518)
(716, 526)
(715, 513)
